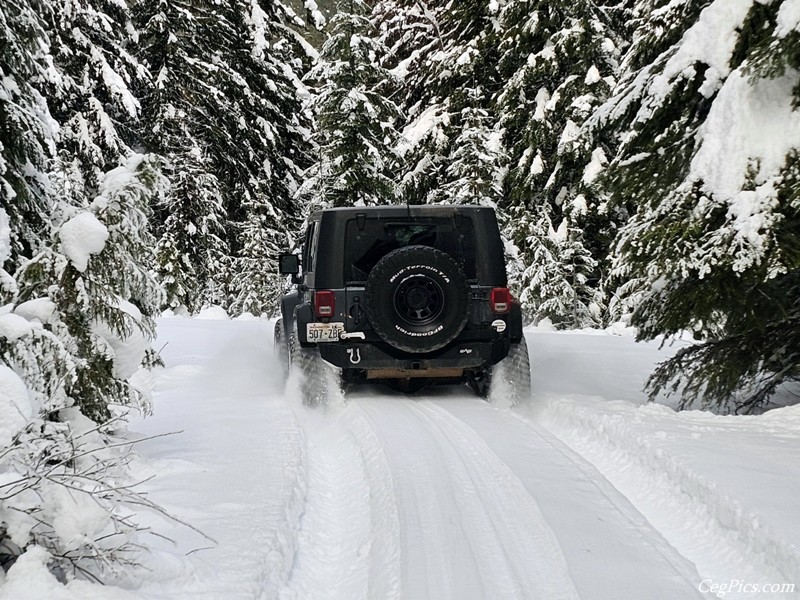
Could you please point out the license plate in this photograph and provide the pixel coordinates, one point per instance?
(324, 332)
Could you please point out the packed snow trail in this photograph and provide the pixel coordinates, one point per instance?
(607, 543)
(349, 528)
(469, 529)
(487, 505)
(380, 497)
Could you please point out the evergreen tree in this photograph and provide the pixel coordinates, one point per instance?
(659, 28)
(558, 60)
(49, 236)
(410, 31)
(656, 26)
(256, 286)
(26, 203)
(70, 333)
(476, 164)
(97, 284)
(355, 135)
(225, 112)
(555, 281)
(186, 46)
(191, 253)
(709, 154)
(448, 63)
(266, 169)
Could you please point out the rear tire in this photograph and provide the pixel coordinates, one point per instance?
(509, 381)
(314, 382)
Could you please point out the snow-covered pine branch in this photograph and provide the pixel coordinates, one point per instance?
(708, 157)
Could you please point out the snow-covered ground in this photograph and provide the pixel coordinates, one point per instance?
(588, 493)
(721, 489)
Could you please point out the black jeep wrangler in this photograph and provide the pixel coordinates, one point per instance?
(406, 295)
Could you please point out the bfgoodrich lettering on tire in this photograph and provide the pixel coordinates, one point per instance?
(417, 299)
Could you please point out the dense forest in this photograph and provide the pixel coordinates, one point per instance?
(643, 157)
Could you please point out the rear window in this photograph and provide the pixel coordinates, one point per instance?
(365, 246)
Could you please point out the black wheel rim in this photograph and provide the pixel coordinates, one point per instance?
(419, 300)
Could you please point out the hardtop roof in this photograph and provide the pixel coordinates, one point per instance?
(400, 210)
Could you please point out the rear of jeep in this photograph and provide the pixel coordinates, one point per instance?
(404, 295)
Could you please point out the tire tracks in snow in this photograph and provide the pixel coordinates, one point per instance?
(469, 528)
(611, 549)
(349, 528)
(725, 540)
(453, 498)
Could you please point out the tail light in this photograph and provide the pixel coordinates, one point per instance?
(324, 303)
(500, 300)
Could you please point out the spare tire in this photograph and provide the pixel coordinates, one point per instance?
(417, 299)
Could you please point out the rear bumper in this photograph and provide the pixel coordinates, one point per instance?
(466, 355)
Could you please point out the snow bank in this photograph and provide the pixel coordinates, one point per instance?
(709, 483)
(721, 489)
(82, 236)
(77, 517)
(237, 471)
(30, 579)
(213, 313)
(248, 316)
(620, 328)
(178, 312)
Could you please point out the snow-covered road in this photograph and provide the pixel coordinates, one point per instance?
(440, 496)
(493, 506)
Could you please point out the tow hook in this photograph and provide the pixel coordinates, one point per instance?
(355, 355)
